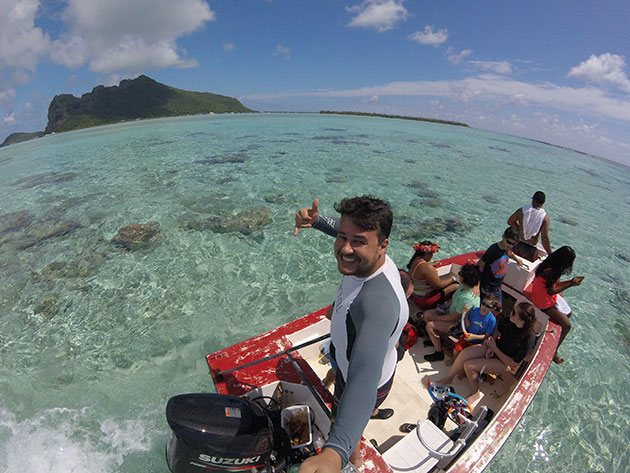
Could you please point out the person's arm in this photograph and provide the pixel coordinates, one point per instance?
(310, 218)
(471, 337)
(516, 218)
(544, 234)
(520, 261)
(563, 285)
(436, 281)
(327, 225)
(305, 217)
(506, 360)
(373, 329)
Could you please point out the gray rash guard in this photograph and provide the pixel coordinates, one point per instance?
(368, 318)
(328, 225)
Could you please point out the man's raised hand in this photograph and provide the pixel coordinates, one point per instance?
(305, 217)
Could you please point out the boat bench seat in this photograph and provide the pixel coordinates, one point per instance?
(427, 446)
(410, 456)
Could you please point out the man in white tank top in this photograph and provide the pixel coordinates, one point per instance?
(532, 223)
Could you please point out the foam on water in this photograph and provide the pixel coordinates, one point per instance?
(62, 440)
(95, 339)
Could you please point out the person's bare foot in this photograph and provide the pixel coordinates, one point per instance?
(473, 398)
(443, 382)
(558, 359)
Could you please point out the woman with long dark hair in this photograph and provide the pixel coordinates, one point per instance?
(547, 287)
(515, 339)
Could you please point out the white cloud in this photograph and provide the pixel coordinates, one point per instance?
(606, 69)
(382, 15)
(7, 97)
(489, 88)
(498, 67)
(22, 44)
(70, 51)
(456, 58)
(9, 119)
(134, 54)
(228, 47)
(429, 37)
(283, 51)
(120, 36)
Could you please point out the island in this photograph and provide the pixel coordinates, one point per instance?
(399, 117)
(132, 99)
(21, 136)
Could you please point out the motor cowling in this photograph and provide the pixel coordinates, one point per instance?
(216, 432)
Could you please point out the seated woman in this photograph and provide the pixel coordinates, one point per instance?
(547, 287)
(429, 288)
(516, 339)
(465, 297)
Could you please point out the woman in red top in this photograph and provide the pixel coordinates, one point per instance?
(429, 288)
(547, 287)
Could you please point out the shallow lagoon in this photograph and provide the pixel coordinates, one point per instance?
(94, 339)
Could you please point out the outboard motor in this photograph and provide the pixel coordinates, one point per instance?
(218, 433)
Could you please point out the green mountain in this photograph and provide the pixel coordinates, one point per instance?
(21, 136)
(132, 99)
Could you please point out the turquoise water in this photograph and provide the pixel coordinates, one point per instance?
(94, 339)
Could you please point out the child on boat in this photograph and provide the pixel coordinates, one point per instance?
(493, 264)
(515, 340)
(480, 324)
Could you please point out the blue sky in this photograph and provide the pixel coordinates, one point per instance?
(556, 71)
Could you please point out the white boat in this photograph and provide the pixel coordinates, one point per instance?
(283, 368)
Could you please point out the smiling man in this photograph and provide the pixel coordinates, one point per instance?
(369, 313)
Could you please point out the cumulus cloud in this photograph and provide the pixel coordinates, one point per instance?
(120, 36)
(382, 15)
(228, 47)
(605, 69)
(22, 44)
(429, 37)
(498, 67)
(457, 57)
(283, 51)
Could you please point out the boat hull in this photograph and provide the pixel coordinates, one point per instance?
(296, 369)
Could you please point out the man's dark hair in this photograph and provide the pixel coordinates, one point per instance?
(510, 234)
(539, 197)
(369, 213)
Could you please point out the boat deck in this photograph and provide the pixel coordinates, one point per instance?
(409, 397)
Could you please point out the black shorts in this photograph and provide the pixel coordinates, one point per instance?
(381, 393)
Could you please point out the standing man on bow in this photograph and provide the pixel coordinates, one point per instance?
(532, 222)
(369, 313)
